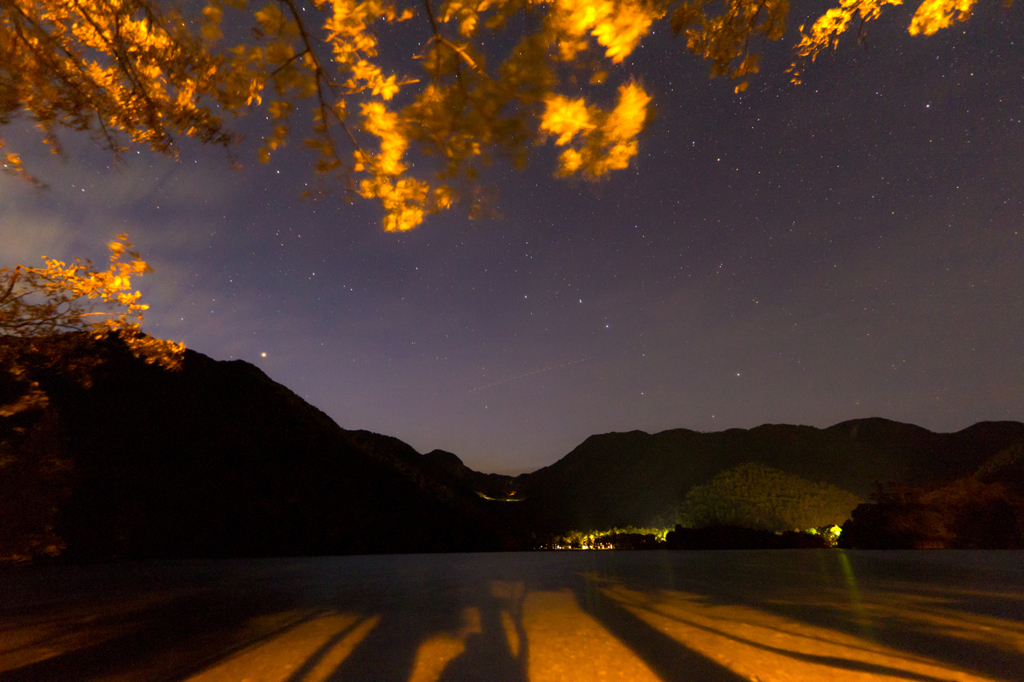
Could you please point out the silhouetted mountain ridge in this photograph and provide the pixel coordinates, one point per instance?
(616, 479)
(219, 460)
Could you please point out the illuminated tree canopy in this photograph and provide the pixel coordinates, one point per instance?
(147, 72)
(41, 309)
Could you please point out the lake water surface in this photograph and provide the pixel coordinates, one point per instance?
(658, 615)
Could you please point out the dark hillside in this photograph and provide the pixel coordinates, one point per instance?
(922, 457)
(219, 460)
(449, 468)
(617, 479)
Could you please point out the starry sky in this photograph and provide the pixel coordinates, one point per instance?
(846, 248)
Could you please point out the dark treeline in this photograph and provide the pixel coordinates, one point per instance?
(736, 537)
(983, 511)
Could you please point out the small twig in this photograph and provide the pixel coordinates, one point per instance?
(443, 41)
(861, 38)
(288, 61)
(320, 74)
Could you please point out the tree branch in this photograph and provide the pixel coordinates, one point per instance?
(321, 76)
(57, 68)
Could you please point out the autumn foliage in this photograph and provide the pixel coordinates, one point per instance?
(52, 320)
(46, 311)
(140, 71)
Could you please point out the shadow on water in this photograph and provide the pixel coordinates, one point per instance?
(964, 610)
(666, 657)
(493, 653)
(837, 663)
(174, 623)
(452, 634)
(673, 616)
(180, 632)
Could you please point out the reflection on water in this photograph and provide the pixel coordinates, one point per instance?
(711, 616)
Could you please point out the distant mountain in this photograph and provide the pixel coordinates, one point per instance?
(982, 511)
(618, 479)
(449, 468)
(219, 460)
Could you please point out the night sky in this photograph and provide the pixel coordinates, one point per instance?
(847, 248)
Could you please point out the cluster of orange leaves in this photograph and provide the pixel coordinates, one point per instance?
(931, 16)
(124, 68)
(40, 306)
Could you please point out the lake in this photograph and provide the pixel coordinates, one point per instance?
(655, 615)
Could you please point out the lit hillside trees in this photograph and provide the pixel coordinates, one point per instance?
(148, 71)
(755, 496)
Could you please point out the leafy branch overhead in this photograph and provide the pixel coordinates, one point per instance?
(142, 71)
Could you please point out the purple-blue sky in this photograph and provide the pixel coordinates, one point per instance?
(847, 248)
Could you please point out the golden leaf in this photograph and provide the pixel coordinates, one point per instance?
(933, 15)
(565, 118)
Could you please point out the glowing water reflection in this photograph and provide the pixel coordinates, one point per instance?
(716, 617)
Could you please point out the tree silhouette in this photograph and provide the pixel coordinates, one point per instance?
(51, 320)
(47, 312)
(144, 72)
